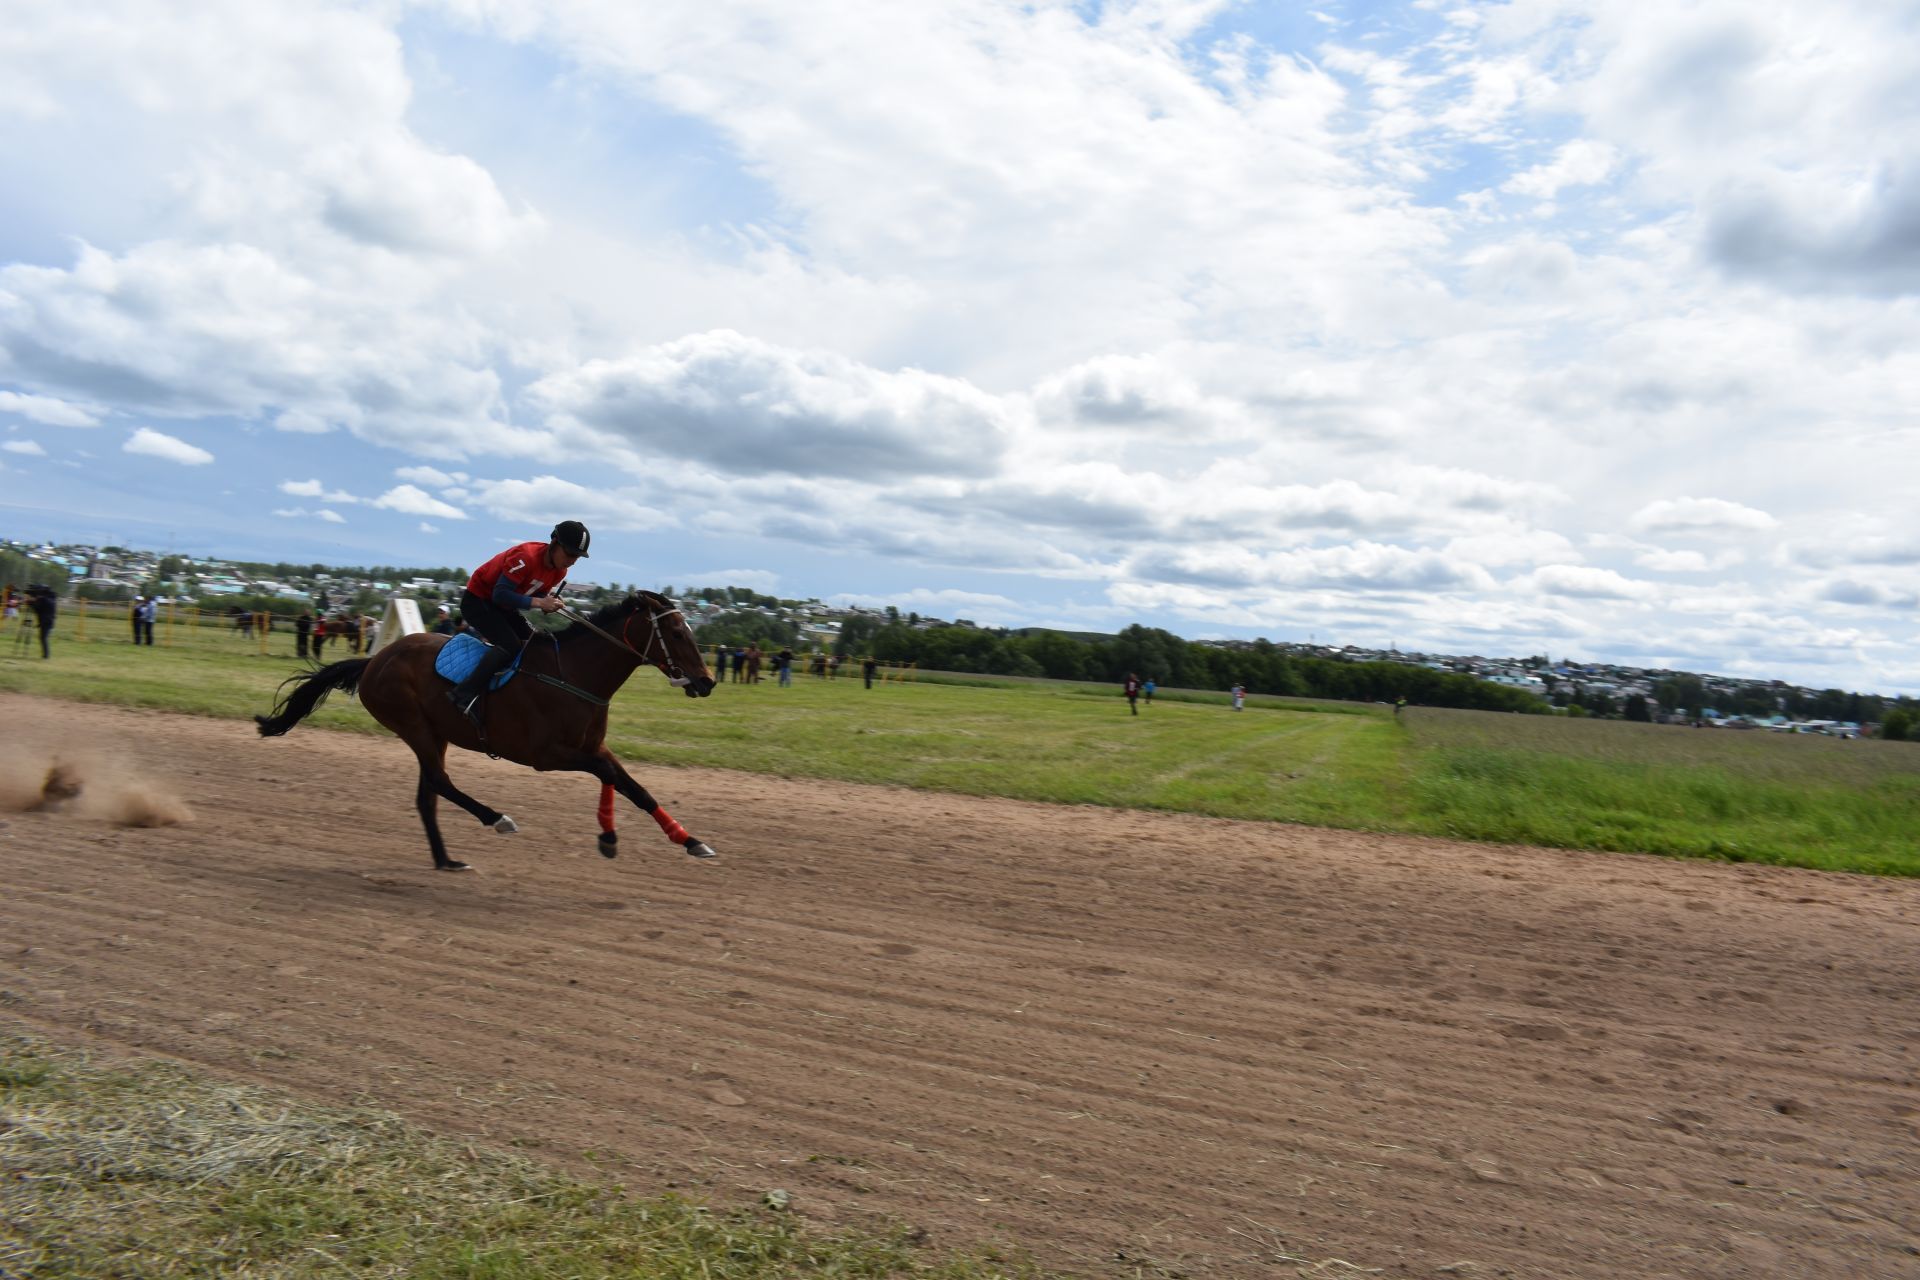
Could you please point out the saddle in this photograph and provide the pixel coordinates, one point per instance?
(461, 654)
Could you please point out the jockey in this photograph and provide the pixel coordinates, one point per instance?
(527, 576)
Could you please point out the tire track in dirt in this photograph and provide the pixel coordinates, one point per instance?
(1127, 1040)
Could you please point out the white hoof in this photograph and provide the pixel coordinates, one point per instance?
(505, 826)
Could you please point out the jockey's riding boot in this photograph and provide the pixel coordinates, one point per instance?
(467, 694)
(467, 702)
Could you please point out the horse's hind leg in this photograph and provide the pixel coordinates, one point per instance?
(603, 766)
(426, 798)
(434, 783)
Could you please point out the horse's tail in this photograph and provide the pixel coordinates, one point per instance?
(310, 689)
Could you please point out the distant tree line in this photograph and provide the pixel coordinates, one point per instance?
(374, 573)
(1172, 662)
(1688, 695)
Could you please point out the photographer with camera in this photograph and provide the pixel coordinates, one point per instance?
(41, 601)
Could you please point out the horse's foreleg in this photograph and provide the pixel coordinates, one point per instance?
(609, 841)
(604, 767)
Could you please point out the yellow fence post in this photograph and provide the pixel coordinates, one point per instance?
(80, 631)
(173, 611)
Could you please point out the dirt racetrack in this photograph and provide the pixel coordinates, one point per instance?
(1138, 1044)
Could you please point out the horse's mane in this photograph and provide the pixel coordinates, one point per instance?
(608, 616)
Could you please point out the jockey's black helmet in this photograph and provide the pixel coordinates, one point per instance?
(572, 535)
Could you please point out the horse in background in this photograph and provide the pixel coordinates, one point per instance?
(552, 716)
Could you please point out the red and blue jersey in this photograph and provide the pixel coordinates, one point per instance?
(523, 570)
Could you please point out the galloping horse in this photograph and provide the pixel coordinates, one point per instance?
(552, 716)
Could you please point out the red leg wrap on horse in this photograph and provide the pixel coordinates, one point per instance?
(675, 832)
(606, 806)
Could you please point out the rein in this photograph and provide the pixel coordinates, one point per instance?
(675, 676)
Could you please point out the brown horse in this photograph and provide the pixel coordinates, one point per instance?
(552, 716)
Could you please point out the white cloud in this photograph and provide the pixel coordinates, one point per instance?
(425, 475)
(424, 527)
(1699, 515)
(546, 500)
(47, 410)
(314, 489)
(29, 447)
(156, 444)
(331, 517)
(413, 501)
(1581, 162)
(740, 405)
(1585, 582)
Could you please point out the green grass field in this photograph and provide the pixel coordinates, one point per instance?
(1791, 800)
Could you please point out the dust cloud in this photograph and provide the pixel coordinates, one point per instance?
(86, 783)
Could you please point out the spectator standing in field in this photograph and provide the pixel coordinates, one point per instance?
(302, 629)
(11, 603)
(444, 626)
(133, 616)
(783, 663)
(144, 610)
(721, 656)
(1132, 690)
(866, 671)
(753, 664)
(1146, 690)
(1399, 705)
(45, 608)
(319, 635)
(739, 663)
(1239, 697)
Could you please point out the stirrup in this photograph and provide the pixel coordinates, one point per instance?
(466, 706)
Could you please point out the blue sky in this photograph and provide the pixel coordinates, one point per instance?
(1548, 325)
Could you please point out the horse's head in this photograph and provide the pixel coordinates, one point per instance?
(659, 633)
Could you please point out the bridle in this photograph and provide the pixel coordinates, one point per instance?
(655, 638)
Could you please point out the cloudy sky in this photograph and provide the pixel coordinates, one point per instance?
(1584, 327)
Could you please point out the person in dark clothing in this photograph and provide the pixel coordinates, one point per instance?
(527, 576)
(1132, 688)
(45, 607)
(866, 671)
(302, 628)
(721, 657)
(144, 610)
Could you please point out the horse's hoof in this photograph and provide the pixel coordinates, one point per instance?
(453, 866)
(699, 849)
(609, 845)
(505, 826)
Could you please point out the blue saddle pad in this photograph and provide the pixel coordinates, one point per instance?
(461, 654)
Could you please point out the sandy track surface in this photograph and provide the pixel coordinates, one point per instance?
(1138, 1044)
